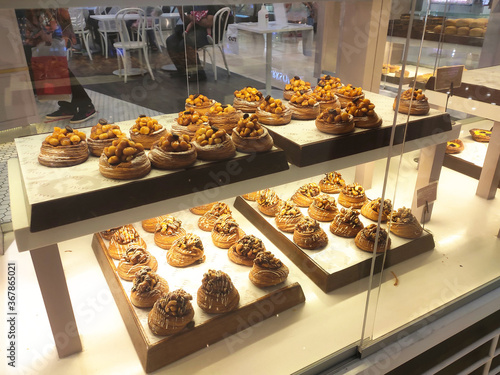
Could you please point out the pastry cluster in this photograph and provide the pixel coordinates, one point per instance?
(248, 246)
(191, 117)
(360, 108)
(122, 150)
(310, 189)
(350, 91)
(248, 126)
(65, 137)
(328, 82)
(103, 130)
(334, 115)
(145, 280)
(220, 109)
(307, 225)
(272, 105)
(303, 99)
(297, 84)
(145, 125)
(198, 100)
(413, 94)
(353, 190)
(226, 225)
(250, 94)
(169, 225)
(207, 135)
(135, 255)
(324, 93)
(173, 142)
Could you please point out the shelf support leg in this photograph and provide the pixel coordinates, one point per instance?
(269, 61)
(364, 175)
(50, 274)
(490, 173)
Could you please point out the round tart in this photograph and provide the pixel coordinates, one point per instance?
(332, 183)
(248, 99)
(217, 293)
(347, 94)
(213, 144)
(168, 231)
(323, 208)
(124, 160)
(267, 270)
(146, 131)
(251, 196)
(371, 209)
(364, 114)
(273, 112)
(226, 232)
(133, 260)
(296, 85)
(245, 250)
(288, 216)
(108, 233)
(64, 148)
(122, 239)
(147, 288)
(171, 313)
(309, 235)
(412, 102)
(304, 106)
(207, 221)
(404, 224)
(172, 151)
(186, 251)
(200, 103)
(150, 225)
(188, 122)
(365, 239)
(455, 146)
(329, 82)
(268, 202)
(102, 135)
(250, 136)
(201, 210)
(335, 121)
(224, 117)
(352, 196)
(346, 223)
(480, 135)
(326, 98)
(304, 195)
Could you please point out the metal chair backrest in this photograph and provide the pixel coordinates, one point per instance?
(131, 14)
(77, 19)
(220, 25)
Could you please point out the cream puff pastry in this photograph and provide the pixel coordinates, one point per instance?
(250, 136)
(267, 270)
(213, 144)
(172, 151)
(133, 260)
(185, 251)
(146, 131)
(64, 148)
(364, 115)
(147, 287)
(335, 121)
(224, 117)
(124, 160)
(247, 99)
(217, 294)
(171, 313)
(102, 135)
(413, 102)
(309, 235)
(304, 106)
(245, 250)
(273, 112)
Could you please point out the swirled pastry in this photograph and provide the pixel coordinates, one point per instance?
(309, 235)
(185, 251)
(365, 239)
(224, 117)
(207, 221)
(413, 102)
(268, 202)
(201, 210)
(108, 233)
(404, 224)
(296, 85)
(326, 98)
(323, 208)
(364, 115)
(171, 313)
(267, 270)
(455, 146)
(251, 196)
(371, 209)
(133, 260)
(146, 131)
(352, 196)
(288, 216)
(273, 112)
(213, 144)
(167, 231)
(102, 135)
(335, 121)
(304, 106)
(245, 250)
(250, 136)
(329, 82)
(188, 122)
(64, 148)
(200, 103)
(247, 99)
(226, 232)
(124, 160)
(172, 151)
(149, 225)
(123, 238)
(332, 183)
(346, 223)
(347, 94)
(147, 287)
(217, 293)
(304, 195)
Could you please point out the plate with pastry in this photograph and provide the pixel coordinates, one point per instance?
(172, 151)
(335, 121)
(65, 147)
(124, 160)
(146, 131)
(217, 293)
(247, 99)
(250, 136)
(273, 112)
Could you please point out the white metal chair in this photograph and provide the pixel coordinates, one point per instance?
(80, 28)
(106, 28)
(126, 44)
(219, 33)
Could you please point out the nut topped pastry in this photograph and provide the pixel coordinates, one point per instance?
(245, 250)
(250, 136)
(199, 102)
(365, 239)
(288, 216)
(346, 223)
(364, 114)
(304, 195)
(273, 112)
(353, 196)
(189, 121)
(404, 224)
(102, 135)
(335, 121)
(146, 131)
(171, 313)
(134, 258)
(304, 106)
(123, 238)
(323, 208)
(268, 201)
(296, 85)
(185, 251)
(309, 235)
(217, 293)
(172, 151)
(326, 97)
(147, 287)
(108, 233)
(167, 231)
(224, 116)
(371, 209)
(207, 221)
(149, 225)
(247, 99)
(226, 232)
(65, 147)
(348, 94)
(332, 183)
(267, 270)
(124, 159)
(212, 143)
(329, 82)
(413, 102)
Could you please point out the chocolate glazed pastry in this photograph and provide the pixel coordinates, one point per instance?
(171, 313)
(365, 239)
(217, 293)
(309, 235)
(267, 270)
(245, 250)
(346, 223)
(133, 260)
(147, 287)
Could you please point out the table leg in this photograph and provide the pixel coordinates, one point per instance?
(52, 282)
(307, 42)
(490, 173)
(269, 61)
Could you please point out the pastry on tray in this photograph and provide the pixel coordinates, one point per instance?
(172, 151)
(147, 287)
(273, 112)
(167, 231)
(413, 102)
(405, 74)
(146, 131)
(268, 202)
(365, 239)
(200, 103)
(186, 251)
(335, 121)
(133, 260)
(245, 250)
(304, 195)
(304, 106)
(364, 115)
(250, 136)
(455, 146)
(309, 235)
(326, 98)
(329, 82)
(251, 196)
(123, 238)
(213, 144)
(108, 233)
(323, 208)
(267, 270)
(332, 183)
(102, 135)
(171, 313)
(207, 221)
(150, 225)
(346, 223)
(224, 117)
(288, 216)
(296, 85)
(347, 94)
(65, 147)
(480, 135)
(404, 224)
(226, 232)
(188, 122)
(247, 99)
(124, 160)
(352, 196)
(203, 209)
(217, 294)
(371, 209)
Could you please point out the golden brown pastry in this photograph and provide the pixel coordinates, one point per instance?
(365, 239)
(296, 85)
(450, 30)
(247, 99)
(371, 209)
(108, 233)
(364, 115)
(267, 270)
(146, 131)
(207, 221)
(147, 287)
(217, 293)
(200, 103)
(213, 144)
(226, 232)
(326, 98)
(288, 216)
(332, 183)
(224, 117)
(450, 22)
(404, 224)
(477, 32)
(412, 102)
(352, 196)
(171, 313)
(188, 122)
(348, 94)
(245, 250)
(463, 31)
(309, 235)
(250, 136)
(455, 146)
(273, 112)
(168, 231)
(406, 73)
(323, 208)
(329, 82)
(124, 160)
(102, 135)
(480, 135)
(186, 251)
(203, 209)
(149, 225)
(251, 196)
(64, 148)
(172, 151)
(438, 29)
(133, 260)
(480, 23)
(304, 106)
(346, 223)
(268, 202)
(123, 238)
(304, 195)
(335, 121)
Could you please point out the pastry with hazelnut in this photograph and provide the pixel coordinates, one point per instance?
(332, 183)
(224, 116)
(123, 238)
(329, 82)
(273, 112)
(167, 231)
(245, 250)
(323, 208)
(268, 202)
(347, 94)
(296, 85)
(250, 136)
(455, 146)
(150, 225)
(186, 251)
(226, 232)
(309, 235)
(172, 151)
(480, 135)
(102, 135)
(371, 209)
(65, 147)
(146, 131)
(352, 196)
(124, 160)
(251, 196)
(247, 99)
(201, 210)
(413, 102)
(364, 115)
(288, 216)
(267, 270)
(188, 122)
(217, 294)
(326, 98)
(134, 258)
(171, 313)
(304, 106)
(108, 233)
(213, 144)
(200, 103)
(304, 195)
(365, 239)
(147, 288)
(335, 121)
(346, 223)
(207, 221)
(404, 224)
